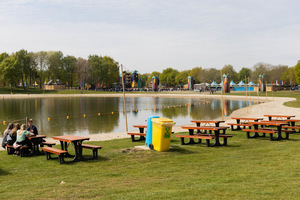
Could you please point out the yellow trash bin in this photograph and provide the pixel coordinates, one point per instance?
(161, 133)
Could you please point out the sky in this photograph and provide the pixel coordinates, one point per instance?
(151, 35)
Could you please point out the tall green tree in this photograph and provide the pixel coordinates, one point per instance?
(182, 78)
(244, 73)
(41, 58)
(10, 71)
(289, 75)
(144, 79)
(69, 65)
(55, 64)
(22, 63)
(229, 70)
(297, 72)
(196, 73)
(105, 70)
(167, 77)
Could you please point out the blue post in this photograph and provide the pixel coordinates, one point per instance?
(149, 131)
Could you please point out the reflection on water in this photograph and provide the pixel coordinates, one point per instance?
(111, 118)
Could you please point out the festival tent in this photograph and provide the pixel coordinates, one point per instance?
(251, 83)
(214, 84)
(241, 83)
(232, 83)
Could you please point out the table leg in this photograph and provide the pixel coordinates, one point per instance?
(217, 139)
(141, 137)
(198, 125)
(238, 122)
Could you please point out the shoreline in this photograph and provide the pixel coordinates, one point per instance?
(271, 105)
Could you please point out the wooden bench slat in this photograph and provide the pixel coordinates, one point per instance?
(54, 151)
(291, 127)
(259, 131)
(239, 124)
(140, 134)
(89, 146)
(197, 136)
(221, 136)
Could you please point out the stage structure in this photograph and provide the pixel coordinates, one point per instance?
(155, 83)
(226, 86)
(191, 82)
(261, 85)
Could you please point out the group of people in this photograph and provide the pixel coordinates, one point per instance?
(16, 135)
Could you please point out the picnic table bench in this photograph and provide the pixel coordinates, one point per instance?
(265, 130)
(216, 135)
(92, 147)
(294, 128)
(141, 134)
(279, 117)
(59, 152)
(10, 149)
(242, 121)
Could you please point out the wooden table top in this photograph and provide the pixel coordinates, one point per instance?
(70, 138)
(140, 126)
(205, 127)
(247, 118)
(207, 121)
(36, 136)
(292, 120)
(269, 123)
(285, 116)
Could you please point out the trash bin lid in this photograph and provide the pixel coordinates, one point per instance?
(162, 120)
(165, 121)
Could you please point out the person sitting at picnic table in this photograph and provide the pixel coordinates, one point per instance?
(6, 134)
(13, 134)
(22, 139)
(32, 128)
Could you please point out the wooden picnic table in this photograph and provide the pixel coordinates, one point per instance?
(35, 140)
(141, 134)
(207, 122)
(280, 117)
(241, 121)
(278, 124)
(216, 133)
(141, 127)
(76, 141)
(292, 121)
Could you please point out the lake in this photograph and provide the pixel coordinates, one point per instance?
(93, 115)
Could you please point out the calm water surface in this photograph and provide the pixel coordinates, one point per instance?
(111, 117)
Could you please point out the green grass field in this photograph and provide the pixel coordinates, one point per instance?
(245, 169)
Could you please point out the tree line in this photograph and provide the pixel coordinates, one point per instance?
(30, 67)
(172, 77)
(102, 71)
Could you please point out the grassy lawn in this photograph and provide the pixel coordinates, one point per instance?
(245, 169)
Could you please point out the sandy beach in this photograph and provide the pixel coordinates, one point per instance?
(271, 106)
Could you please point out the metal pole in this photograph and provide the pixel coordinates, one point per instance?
(222, 87)
(266, 91)
(124, 99)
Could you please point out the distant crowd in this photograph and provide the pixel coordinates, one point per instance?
(16, 135)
